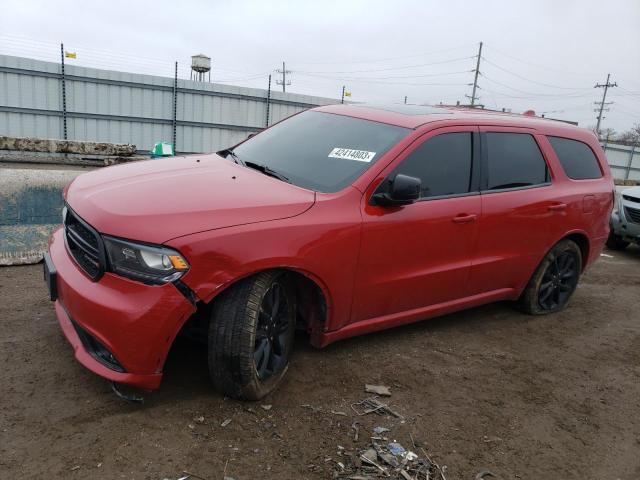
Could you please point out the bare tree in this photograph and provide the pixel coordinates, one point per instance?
(608, 134)
(631, 136)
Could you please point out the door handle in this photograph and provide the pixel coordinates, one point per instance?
(463, 218)
(558, 207)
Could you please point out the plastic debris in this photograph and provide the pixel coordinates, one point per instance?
(372, 405)
(378, 390)
(411, 456)
(391, 461)
(226, 422)
(266, 407)
(380, 430)
(396, 449)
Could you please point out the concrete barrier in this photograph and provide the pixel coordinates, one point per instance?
(65, 146)
(30, 210)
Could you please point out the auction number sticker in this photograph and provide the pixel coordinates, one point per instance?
(350, 154)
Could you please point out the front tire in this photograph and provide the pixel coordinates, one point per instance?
(554, 281)
(251, 336)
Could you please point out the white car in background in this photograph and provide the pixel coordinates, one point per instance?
(625, 219)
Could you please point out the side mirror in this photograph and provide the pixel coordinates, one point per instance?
(402, 191)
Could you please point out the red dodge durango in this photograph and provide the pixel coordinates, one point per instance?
(340, 220)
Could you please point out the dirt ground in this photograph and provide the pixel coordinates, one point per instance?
(555, 397)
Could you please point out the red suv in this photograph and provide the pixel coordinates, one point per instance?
(340, 220)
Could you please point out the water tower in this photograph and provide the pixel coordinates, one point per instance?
(200, 64)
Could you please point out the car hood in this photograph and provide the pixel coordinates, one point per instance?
(158, 200)
(631, 191)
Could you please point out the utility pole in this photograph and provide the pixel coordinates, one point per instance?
(266, 123)
(405, 99)
(342, 100)
(64, 93)
(284, 82)
(602, 103)
(174, 122)
(473, 96)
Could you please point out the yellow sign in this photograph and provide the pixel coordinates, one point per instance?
(70, 54)
(347, 94)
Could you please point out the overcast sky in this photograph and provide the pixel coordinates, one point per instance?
(540, 54)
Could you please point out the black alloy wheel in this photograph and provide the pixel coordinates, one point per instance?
(554, 281)
(559, 281)
(272, 332)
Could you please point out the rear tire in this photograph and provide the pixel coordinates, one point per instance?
(251, 336)
(554, 281)
(616, 242)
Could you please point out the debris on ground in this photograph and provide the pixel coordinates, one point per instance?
(342, 414)
(380, 430)
(199, 419)
(484, 473)
(356, 430)
(266, 407)
(226, 422)
(390, 461)
(190, 476)
(378, 390)
(372, 405)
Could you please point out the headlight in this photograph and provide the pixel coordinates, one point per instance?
(148, 264)
(616, 200)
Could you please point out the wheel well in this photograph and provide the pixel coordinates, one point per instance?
(311, 303)
(583, 242)
(311, 307)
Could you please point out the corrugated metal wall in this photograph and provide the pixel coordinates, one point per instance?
(120, 107)
(624, 161)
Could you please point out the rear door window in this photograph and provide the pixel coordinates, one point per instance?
(577, 159)
(514, 160)
(442, 163)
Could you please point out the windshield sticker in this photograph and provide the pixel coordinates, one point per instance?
(349, 154)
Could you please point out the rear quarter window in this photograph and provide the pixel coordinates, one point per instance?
(514, 161)
(577, 159)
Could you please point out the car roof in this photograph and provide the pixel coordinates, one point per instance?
(414, 116)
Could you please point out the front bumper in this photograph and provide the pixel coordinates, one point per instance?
(134, 322)
(623, 226)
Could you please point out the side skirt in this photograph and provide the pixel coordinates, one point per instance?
(410, 316)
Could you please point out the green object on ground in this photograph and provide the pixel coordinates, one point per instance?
(162, 149)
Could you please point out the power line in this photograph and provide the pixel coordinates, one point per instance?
(378, 82)
(351, 62)
(533, 94)
(532, 81)
(536, 65)
(541, 98)
(386, 78)
(386, 69)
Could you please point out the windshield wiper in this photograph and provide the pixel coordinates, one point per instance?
(267, 171)
(228, 152)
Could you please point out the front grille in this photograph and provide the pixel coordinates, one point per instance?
(84, 244)
(97, 350)
(631, 199)
(632, 214)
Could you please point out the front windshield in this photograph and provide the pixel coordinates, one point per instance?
(320, 151)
